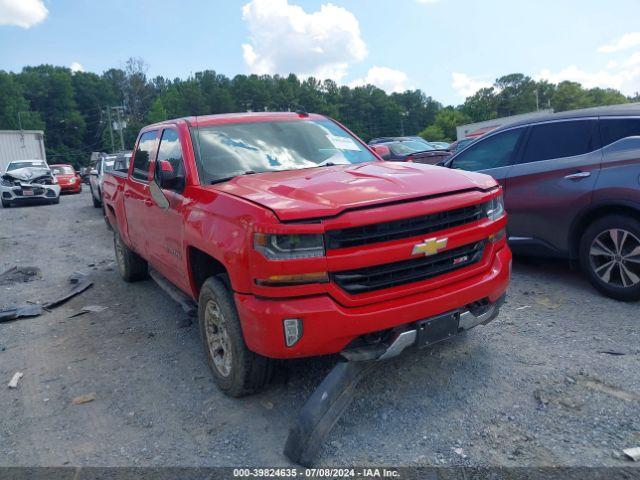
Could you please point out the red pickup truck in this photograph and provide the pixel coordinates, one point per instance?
(295, 239)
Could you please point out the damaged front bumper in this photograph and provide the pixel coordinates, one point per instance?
(427, 332)
(20, 191)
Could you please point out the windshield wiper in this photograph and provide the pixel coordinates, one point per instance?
(231, 177)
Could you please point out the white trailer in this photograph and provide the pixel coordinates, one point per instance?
(21, 145)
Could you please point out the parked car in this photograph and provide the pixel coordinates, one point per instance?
(440, 145)
(410, 151)
(296, 240)
(68, 178)
(28, 181)
(105, 164)
(572, 190)
(460, 145)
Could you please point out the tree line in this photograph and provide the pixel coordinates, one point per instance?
(71, 107)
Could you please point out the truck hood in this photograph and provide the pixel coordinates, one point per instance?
(328, 191)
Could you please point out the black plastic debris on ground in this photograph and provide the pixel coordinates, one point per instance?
(80, 283)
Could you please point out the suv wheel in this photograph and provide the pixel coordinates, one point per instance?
(6, 204)
(131, 266)
(236, 370)
(610, 256)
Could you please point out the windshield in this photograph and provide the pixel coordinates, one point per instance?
(409, 147)
(108, 163)
(62, 170)
(233, 149)
(26, 164)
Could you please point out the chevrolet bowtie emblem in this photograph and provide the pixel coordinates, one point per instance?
(430, 246)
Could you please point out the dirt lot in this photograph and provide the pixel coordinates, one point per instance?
(555, 380)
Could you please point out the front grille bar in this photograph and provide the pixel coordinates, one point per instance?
(389, 275)
(405, 228)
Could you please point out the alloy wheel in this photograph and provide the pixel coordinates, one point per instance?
(615, 257)
(218, 339)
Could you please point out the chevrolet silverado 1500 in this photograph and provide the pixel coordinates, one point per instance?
(295, 239)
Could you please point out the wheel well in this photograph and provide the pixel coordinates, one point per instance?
(114, 224)
(591, 216)
(203, 266)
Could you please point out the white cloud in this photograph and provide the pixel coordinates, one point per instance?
(628, 40)
(386, 78)
(627, 80)
(23, 13)
(465, 86)
(633, 60)
(286, 39)
(76, 67)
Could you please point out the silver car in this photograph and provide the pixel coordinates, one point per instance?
(572, 190)
(106, 163)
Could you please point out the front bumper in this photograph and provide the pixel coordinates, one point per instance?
(329, 326)
(71, 187)
(15, 194)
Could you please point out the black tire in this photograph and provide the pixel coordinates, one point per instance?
(607, 268)
(96, 203)
(131, 266)
(55, 201)
(246, 372)
(6, 204)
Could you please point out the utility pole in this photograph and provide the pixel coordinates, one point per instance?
(118, 110)
(110, 129)
(20, 119)
(402, 115)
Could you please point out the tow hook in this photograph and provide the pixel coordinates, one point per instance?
(331, 398)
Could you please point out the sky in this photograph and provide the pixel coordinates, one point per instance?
(447, 48)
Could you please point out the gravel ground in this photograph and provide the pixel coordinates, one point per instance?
(534, 388)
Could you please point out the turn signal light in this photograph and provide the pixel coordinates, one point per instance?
(299, 279)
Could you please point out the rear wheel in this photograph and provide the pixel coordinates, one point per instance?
(96, 203)
(236, 370)
(131, 266)
(610, 256)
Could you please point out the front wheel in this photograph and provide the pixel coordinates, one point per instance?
(610, 256)
(236, 370)
(6, 204)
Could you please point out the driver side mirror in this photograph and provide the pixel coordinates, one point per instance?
(167, 177)
(382, 150)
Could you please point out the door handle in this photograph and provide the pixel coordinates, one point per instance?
(148, 202)
(577, 175)
(127, 193)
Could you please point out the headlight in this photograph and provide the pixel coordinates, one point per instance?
(289, 247)
(6, 183)
(494, 208)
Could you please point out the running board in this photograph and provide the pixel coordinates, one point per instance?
(188, 305)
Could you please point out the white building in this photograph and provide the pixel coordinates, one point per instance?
(21, 145)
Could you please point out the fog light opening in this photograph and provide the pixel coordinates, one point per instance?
(292, 331)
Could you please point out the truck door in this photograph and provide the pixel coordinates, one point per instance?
(137, 200)
(552, 181)
(165, 226)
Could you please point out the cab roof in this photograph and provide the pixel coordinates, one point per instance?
(224, 118)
